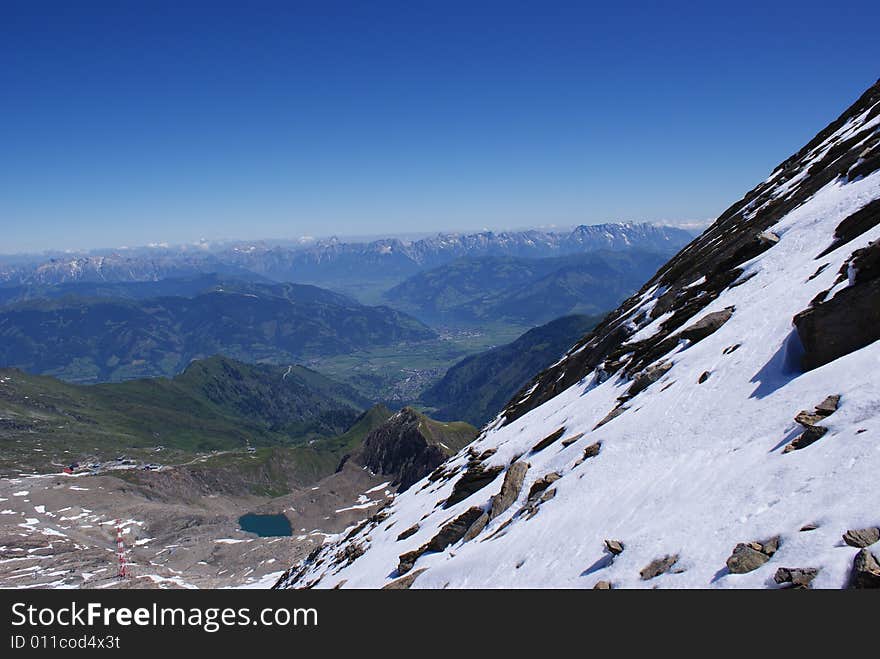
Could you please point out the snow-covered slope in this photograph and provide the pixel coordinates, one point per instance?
(702, 370)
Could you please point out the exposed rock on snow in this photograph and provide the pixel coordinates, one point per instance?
(548, 440)
(473, 480)
(865, 571)
(404, 582)
(614, 547)
(752, 555)
(795, 577)
(862, 537)
(510, 489)
(657, 567)
(850, 320)
(707, 325)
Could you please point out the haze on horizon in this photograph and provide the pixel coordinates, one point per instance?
(134, 125)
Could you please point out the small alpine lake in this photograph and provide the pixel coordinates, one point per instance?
(265, 525)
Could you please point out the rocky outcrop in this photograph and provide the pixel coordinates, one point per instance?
(548, 440)
(510, 489)
(862, 537)
(707, 325)
(449, 534)
(542, 484)
(409, 446)
(648, 377)
(795, 577)
(658, 566)
(865, 571)
(850, 320)
(614, 547)
(404, 582)
(749, 556)
(813, 433)
(474, 479)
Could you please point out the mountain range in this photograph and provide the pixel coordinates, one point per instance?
(362, 269)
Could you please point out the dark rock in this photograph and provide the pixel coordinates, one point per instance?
(568, 441)
(809, 436)
(806, 419)
(707, 325)
(475, 528)
(412, 530)
(648, 377)
(703, 377)
(730, 349)
(549, 494)
(614, 547)
(603, 585)
(828, 406)
(862, 220)
(658, 566)
(847, 322)
(809, 527)
(474, 479)
(510, 488)
(796, 577)
(488, 453)
(590, 452)
(549, 439)
(865, 571)
(455, 530)
(405, 562)
(542, 484)
(862, 537)
(745, 559)
(613, 414)
(404, 582)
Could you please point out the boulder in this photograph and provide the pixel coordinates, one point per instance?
(703, 377)
(453, 531)
(475, 478)
(405, 582)
(614, 547)
(800, 577)
(475, 528)
(548, 440)
(405, 562)
(860, 538)
(810, 435)
(865, 571)
(658, 566)
(590, 452)
(745, 558)
(568, 441)
(847, 322)
(603, 585)
(412, 530)
(708, 324)
(542, 484)
(647, 377)
(613, 414)
(510, 488)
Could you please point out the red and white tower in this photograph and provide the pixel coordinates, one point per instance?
(120, 551)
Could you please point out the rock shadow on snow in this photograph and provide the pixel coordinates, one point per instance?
(783, 367)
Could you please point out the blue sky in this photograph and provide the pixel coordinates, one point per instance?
(127, 123)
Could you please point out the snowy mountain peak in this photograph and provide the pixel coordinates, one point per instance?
(719, 429)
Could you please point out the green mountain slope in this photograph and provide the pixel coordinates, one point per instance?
(477, 388)
(215, 405)
(110, 339)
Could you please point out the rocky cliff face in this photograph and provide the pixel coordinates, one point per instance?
(719, 429)
(409, 445)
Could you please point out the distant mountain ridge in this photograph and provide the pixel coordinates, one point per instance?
(524, 290)
(329, 261)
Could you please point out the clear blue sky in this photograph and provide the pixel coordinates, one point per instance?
(126, 123)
